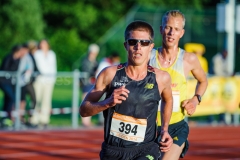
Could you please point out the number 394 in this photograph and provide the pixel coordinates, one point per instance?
(127, 128)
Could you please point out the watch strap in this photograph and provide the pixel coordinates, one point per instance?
(198, 97)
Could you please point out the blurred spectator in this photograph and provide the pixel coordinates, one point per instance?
(89, 65)
(32, 46)
(220, 63)
(9, 63)
(113, 59)
(26, 69)
(17, 60)
(44, 83)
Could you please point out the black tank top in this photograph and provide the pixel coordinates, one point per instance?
(140, 106)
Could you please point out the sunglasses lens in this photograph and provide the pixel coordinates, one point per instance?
(133, 42)
(145, 42)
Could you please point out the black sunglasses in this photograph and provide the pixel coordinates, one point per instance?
(133, 42)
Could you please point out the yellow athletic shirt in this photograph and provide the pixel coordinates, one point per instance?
(179, 84)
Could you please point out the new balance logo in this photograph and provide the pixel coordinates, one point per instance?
(175, 138)
(149, 86)
(150, 157)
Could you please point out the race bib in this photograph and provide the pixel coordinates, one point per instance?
(176, 101)
(128, 128)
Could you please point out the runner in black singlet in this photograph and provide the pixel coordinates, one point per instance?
(133, 92)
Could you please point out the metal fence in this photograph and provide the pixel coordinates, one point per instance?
(75, 95)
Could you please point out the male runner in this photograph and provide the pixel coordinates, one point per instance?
(133, 91)
(178, 64)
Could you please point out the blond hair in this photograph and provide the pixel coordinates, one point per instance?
(173, 13)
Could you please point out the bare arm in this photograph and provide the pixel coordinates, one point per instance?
(164, 85)
(193, 64)
(91, 104)
(200, 76)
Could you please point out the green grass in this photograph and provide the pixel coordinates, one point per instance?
(61, 120)
(66, 120)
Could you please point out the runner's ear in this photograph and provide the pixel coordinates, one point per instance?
(183, 31)
(125, 46)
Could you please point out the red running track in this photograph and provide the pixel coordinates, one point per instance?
(206, 143)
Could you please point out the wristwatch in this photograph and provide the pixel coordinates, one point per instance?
(199, 98)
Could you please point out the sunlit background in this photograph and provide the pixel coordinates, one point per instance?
(71, 25)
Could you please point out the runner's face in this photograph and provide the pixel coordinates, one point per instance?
(172, 30)
(139, 54)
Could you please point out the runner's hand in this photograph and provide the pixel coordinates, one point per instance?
(190, 106)
(118, 95)
(166, 141)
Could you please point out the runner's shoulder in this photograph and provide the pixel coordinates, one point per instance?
(190, 57)
(108, 72)
(162, 75)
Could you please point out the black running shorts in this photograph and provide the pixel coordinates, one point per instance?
(148, 151)
(179, 132)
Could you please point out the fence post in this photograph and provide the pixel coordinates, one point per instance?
(75, 99)
(17, 103)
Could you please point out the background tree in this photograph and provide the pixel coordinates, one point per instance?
(20, 20)
(69, 25)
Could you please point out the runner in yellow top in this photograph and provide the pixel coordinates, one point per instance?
(179, 82)
(178, 63)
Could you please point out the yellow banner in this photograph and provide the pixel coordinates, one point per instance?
(222, 95)
(231, 94)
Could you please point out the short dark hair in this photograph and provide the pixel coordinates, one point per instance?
(16, 48)
(25, 45)
(139, 26)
